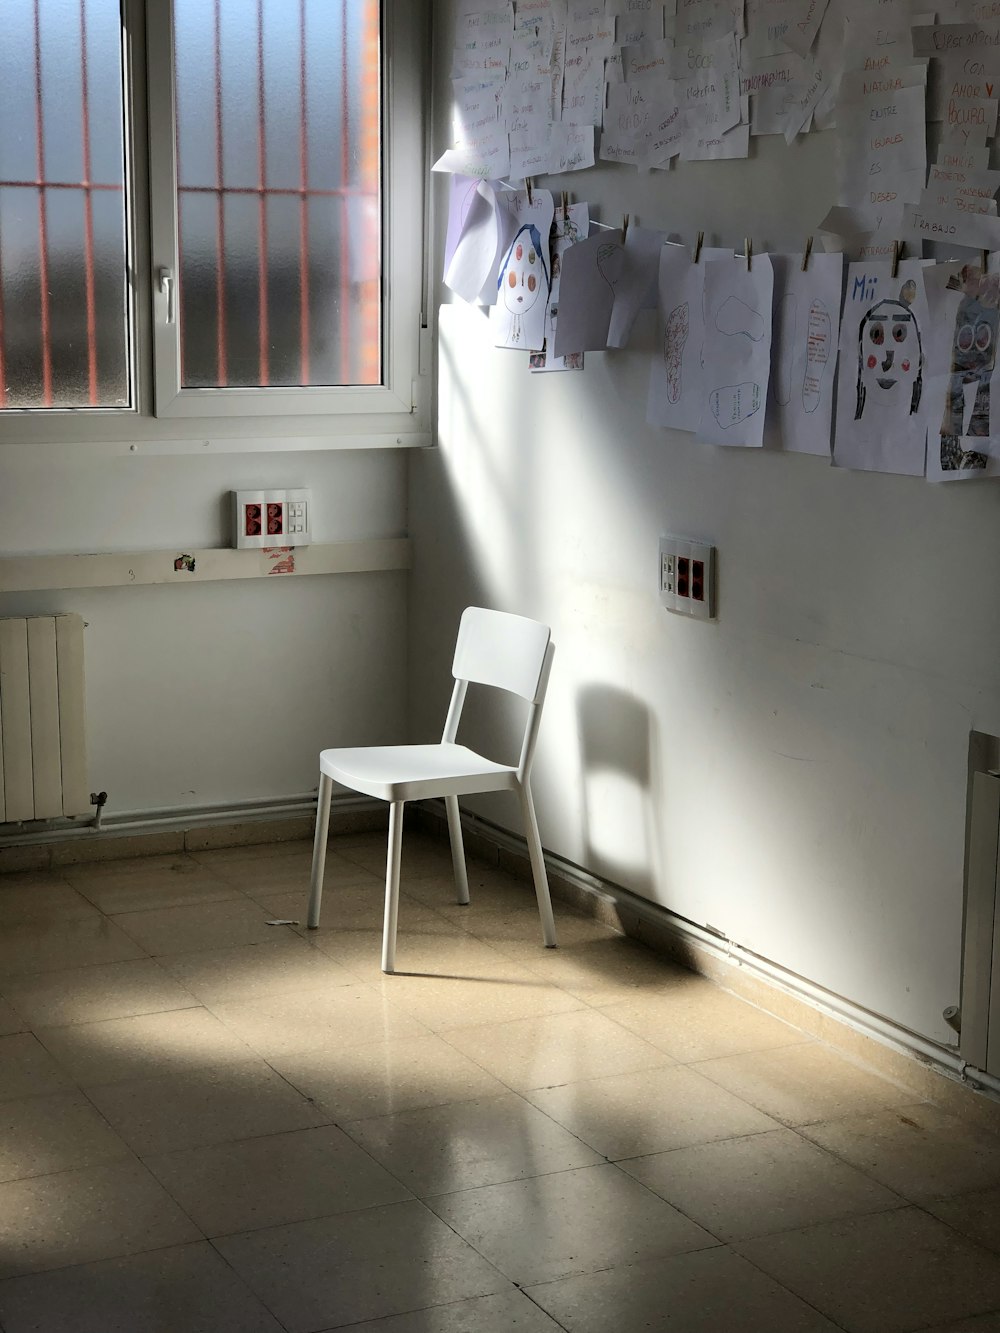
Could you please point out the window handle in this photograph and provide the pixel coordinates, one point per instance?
(168, 288)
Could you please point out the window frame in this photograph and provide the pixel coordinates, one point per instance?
(174, 420)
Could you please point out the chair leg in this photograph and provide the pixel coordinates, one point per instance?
(538, 868)
(457, 849)
(392, 886)
(319, 848)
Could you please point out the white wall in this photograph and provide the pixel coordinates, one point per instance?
(226, 691)
(795, 773)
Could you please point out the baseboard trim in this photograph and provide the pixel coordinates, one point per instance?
(937, 1073)
(184, 829)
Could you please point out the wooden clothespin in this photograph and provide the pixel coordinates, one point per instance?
(986, 261)
(897, 251)
(527, 186)
(624, 228)
(748, 251)
(565, 202)
(698, 244)
(808, 253)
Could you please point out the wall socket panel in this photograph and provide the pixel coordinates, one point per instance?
(687, 577)
(272, 518)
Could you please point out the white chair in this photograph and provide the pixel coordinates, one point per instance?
(504, 651)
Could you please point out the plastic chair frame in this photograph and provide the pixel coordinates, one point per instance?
(451, 787)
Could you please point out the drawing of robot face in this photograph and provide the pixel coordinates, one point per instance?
(524, 275)
(890, 357)
(975, 347)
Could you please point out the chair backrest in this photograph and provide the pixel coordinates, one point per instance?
(505, 651)
(509, 653)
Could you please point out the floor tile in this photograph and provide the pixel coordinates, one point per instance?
(325, 1019)
(558, 1048)
(649, 1111)
(920, 1152)
(79, 1216)
(578, 1221)
(422, 858)
(184, 1289)
(41, 895)
(601, 970)
(148, 883)
(802, 1084)
(485, 1314)
(224, 976)
(697, 1021)
(976, 1215)
(441, 1149)
(221, 925)
(293, 872)
(365, 1265)
(493, 993)
(191, 1110)
(42, 1135)
(96, 993)
(386, 1077)
(982, 1323)
(143, 1047)
(712, 1291)
(10, 1020)
(53, 945)
(893, 1271)
(490, 890)
(739, 1188)
(351, 907)
(28, 1070)
(266, 1182)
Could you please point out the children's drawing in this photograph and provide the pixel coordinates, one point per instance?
(610, 261)
(890, 357)
(569, 225)
(674, 338)
(735, 403)
(784, 358)
(523, 290)
(883, 410)
(736, 354)
(735, 318)
(818, 341)
(973, 359)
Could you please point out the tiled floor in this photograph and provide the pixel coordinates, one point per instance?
(210, 1123)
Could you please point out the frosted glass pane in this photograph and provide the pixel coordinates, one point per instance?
(63, 260)
(280, 180)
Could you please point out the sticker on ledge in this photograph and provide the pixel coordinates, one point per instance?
(184, 562)
(282, 559)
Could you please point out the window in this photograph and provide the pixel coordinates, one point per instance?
(262, 259)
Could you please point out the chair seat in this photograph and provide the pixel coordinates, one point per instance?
(415, 772)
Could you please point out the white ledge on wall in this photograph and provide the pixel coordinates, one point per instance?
(123, 569)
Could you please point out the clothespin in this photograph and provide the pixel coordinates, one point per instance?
(897, 250)
(624, 228)
(986, 260)
(748, 251)
(565, 202)
(698, 244)
(527, 186)
(808, 253)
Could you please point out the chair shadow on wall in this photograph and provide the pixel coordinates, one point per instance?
(621, 789)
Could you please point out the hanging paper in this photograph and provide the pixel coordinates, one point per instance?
(675, 377)
(736, 358)
(804, 340)
(882, 411)
(524, 275)
(636, 288)
(590, 273)
(569, 226)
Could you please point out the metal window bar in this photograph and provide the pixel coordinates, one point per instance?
(369, 340)
(86, 186)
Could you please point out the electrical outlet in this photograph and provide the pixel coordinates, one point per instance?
(272, 518)
(687, 577)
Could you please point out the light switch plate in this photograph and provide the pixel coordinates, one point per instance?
(272, 518)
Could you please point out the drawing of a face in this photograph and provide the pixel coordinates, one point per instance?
(976, 323)
(524, 273)
(890, 357)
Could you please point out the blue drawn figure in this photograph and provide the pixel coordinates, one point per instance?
(524, 277)
(890, 357)
(973, 357)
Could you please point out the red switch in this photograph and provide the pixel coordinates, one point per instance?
(698, 580)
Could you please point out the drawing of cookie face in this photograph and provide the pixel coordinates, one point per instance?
(522, 280)
(674, 337)
(890, 357)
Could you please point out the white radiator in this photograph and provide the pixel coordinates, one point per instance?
(43, 772)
